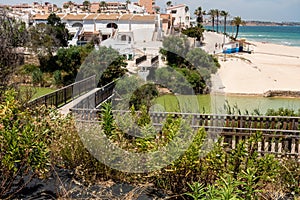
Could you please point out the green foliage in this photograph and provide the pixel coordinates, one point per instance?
(57, 78)
(143, 96)
(194, 32)
(24, 140)
(47, 38)
(198, 191)
(107, 120)
(237, 21)
(60, 32)
(177, 80)
(13, 34)
(175, 49)
(282, 112)
(67, 61)
(37, 77)
(29, 68)
(106, 63)
(195, 64)
(290, 176)
(202, 62)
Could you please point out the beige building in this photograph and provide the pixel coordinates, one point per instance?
(148, 5)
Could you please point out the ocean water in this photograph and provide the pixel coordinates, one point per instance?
(284, 35)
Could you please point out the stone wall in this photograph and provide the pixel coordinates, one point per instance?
(281, 93)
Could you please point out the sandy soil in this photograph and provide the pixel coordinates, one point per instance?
(269, 67)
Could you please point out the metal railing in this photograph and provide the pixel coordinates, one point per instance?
(93, 100)
(64, 95)
(140, 59)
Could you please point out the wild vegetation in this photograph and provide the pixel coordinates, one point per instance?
(33, 142)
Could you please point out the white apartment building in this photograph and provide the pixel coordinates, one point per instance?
(180, 15)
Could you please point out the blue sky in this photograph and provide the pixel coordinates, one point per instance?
(265, 10)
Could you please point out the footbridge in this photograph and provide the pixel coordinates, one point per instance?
(81, 94)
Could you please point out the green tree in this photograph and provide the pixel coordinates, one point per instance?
(87, 5)
(203, 62)
(102, 6)
(194, 32)
(169, 3)
(175, 49)
(212, 14)
(217, 16)
(199, 13)
(176, 80)
(60, 31)
(237, 21)
(225, 15)
(47, 38)
(69, 61)
(143, 96)
(13, 34)
(106, 63)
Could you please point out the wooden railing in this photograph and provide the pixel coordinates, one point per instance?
(66, 94)
(280, 135)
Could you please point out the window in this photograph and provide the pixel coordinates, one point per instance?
(173, 11)
(123, 38)
(77, 25)
(112, 25)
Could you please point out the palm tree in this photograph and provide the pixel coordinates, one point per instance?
(212, 14)
(199, 13)
(187, 9)
(127, 2)
(169, 3)
(87, 5)
(102, 5)
(237, 21)
(225, 15)
(217, 12)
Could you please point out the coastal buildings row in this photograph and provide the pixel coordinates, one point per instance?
(142, 6)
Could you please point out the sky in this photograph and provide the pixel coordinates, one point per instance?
(262, 10)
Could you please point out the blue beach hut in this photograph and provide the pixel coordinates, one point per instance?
(232, 47)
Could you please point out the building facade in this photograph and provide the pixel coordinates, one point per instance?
(180, 16)
(148, 5)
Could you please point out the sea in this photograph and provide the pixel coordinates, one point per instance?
(284, 35)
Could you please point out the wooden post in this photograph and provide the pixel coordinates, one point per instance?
(293, 146)
(279, 148)
(273, 144)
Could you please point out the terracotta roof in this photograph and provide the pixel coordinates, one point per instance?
(143, 18)
(126, 17)
(91, 16)
(165, 16)
(61, 15)
(74, 17)
(40, 16)
(108, 17)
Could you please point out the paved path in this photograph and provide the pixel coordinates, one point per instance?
(66, 108)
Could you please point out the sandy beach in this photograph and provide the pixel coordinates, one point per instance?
(268, 67)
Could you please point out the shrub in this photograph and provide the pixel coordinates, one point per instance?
(24, 140)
